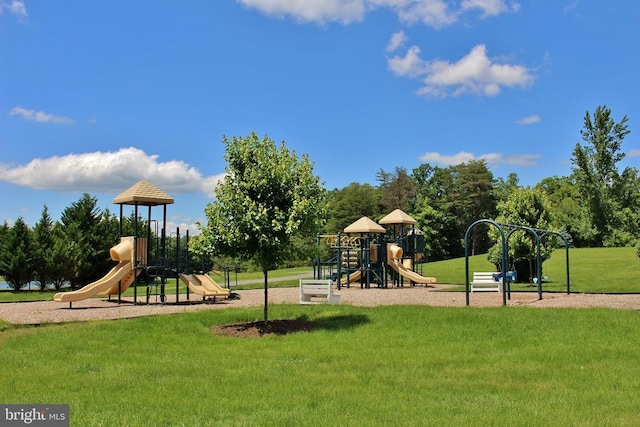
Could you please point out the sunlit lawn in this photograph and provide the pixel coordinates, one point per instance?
(384, 366)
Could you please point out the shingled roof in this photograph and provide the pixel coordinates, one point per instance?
(143, 193)
(365, 225)
(397, 217)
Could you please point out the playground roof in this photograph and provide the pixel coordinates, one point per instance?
(397, 217)
(143, 193)
(365, 225)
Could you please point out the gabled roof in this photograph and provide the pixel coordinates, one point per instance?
(143, 193)
(365, 225)
(397, 217)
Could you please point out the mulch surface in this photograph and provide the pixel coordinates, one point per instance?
(260, 328)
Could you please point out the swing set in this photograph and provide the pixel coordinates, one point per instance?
(506, 231)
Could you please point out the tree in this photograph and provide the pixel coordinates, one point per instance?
(567, 213)
(66, 255)
(351, 203)
(608, 197)
(43, 242)
(16, 262)
(527, 207)
(462, 194)
(268, 196)
(398, 190)
(91, 230)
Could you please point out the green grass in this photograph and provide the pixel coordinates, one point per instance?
(600, 270)
(364, 366)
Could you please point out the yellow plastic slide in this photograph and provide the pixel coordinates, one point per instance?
(353, 277)
(394, 259)
(112, 278)
(195, 286)
(120, 276)
(211, 286)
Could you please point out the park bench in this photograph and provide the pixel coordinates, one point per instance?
(317, 292)
(486, 282)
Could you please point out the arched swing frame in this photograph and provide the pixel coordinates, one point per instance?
(537, 234)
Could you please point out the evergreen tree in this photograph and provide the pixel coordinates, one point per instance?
(16, 255)
(82, 222)
(43, 241)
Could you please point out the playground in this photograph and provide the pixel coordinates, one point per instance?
(369, 264)
(388, 254)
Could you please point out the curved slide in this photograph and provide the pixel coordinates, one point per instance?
(196, 286)
(353, 277)
(394, 260)
(211, 286)
(101, 286)
(120, 276)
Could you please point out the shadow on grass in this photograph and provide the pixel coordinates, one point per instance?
(289, 326)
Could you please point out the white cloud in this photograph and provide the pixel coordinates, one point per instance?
(434, 13)
(39, 116)
(524, 160)
(108, 172)
(529, 120)
(318, 11)
(634, 153)
(397, 40)
(14, 7)
(488, 7)
(410, 65)
(474, 73)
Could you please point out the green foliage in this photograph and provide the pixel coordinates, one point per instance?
(16, 255)
(93, 232)
(527, 207)
(461, 194)
(349, 204)
(43, 245)
(610, 199)
(398, 190)
(268, 196)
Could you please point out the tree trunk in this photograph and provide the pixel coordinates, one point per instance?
(266, 296)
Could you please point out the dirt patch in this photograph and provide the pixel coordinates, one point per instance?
(260, 328)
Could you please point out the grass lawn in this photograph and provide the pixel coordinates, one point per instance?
(611, 270)
(363, 367)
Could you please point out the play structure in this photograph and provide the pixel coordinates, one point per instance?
(366, 253)
(152, 264)
(116, 281)
(501, 281)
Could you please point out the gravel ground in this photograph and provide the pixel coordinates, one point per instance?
(95, 308)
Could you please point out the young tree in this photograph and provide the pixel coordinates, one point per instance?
(525, 207)
(604, 191)
(268, 196)
(16, 252)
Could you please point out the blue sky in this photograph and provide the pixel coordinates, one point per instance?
(95, 96)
